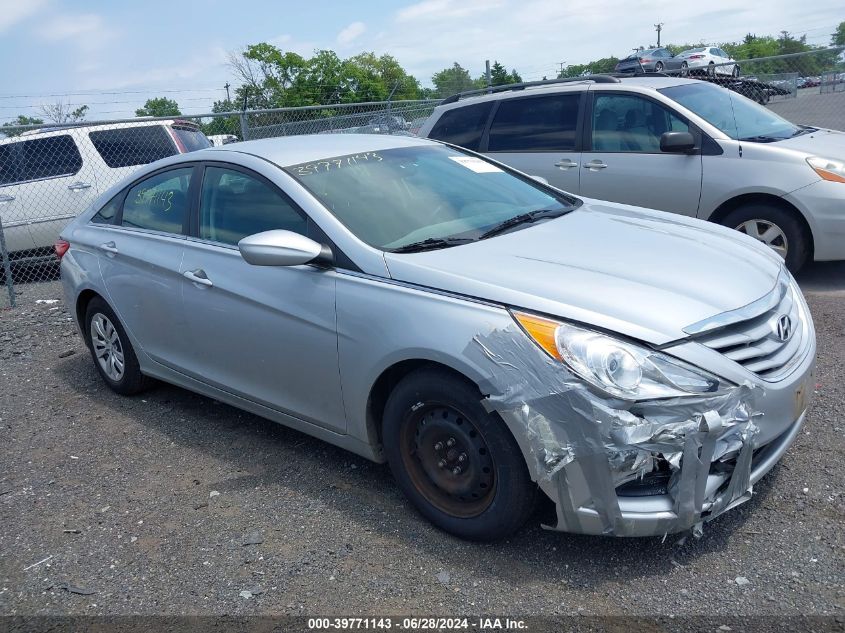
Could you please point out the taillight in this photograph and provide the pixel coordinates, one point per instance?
(645, 60)
(696, 56)
(61, 247)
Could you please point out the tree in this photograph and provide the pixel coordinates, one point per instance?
(61, 112)
(223, 124)
(159, 106)
(452, 80)
(603, 65)
(9, 129)
(499, 76)
(838, 38)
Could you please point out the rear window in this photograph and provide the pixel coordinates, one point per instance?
(535, 124)
(39, 158)
(462, 126)
(131, 146)
(191, 138)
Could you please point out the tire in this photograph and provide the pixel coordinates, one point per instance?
(658, 67)
(107, 340)
(711, 70)
(735, 71)
(491, 495)
(684, 69)
(796, 240)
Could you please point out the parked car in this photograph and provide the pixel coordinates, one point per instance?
(652, 60)
(388, 123)
(709, 59)
(222, 139)
(51, 174)
(668, 143)
(484, 334)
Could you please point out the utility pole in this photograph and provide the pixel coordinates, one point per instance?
(227, 91)
(561, 64)
(658, 27)
(487, 74)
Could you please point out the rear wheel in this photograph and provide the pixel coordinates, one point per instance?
(111, 350)
(735, 72)
(457, 463)
(711, 69)
(775, 227)
(658, 67)
(684, 69)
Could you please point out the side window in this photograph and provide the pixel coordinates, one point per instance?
(47, 158)
(234, 205)
(714, 51)
(462, 126)
(8, 164)
(535, 124)
(130, 146)
(159, 203)
(107, 213)
(628, 123)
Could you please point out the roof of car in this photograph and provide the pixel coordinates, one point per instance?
(293, 150)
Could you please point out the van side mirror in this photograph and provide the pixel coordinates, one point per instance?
(283, 248)
(677, 142)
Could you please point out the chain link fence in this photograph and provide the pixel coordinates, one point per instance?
(48, 174)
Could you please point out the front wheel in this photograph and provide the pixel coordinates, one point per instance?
(775, 227)
(735, 72)
(457, 464)
(684, 69)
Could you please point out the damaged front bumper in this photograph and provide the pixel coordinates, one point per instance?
(587, 451)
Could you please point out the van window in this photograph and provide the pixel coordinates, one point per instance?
(628, 123)
(159, 203)
(39, 158)
(190, 137)
(462, 126)
(130, 146)
(535, 124)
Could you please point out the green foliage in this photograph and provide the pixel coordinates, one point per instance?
(499, 75)
(222, 124)
(275, 79)
(838, 37)
(603, 65)
(8, 129)
(452, 80)
(160, 106)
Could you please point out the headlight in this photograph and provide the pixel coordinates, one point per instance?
(828, 168)
(621, 369)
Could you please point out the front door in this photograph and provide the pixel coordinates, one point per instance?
(625, 164)
(267, 334)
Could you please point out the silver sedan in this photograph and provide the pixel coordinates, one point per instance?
(490, 337)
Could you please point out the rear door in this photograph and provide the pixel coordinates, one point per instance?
(140, 255)
(265, 333)
(51, 185)
(539, 135)
(623, 162)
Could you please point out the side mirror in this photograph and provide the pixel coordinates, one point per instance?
(677, 142)
(283, 248)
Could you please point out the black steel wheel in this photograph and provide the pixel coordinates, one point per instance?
(458, 464)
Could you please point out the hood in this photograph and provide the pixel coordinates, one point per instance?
(644, 274)
(824, 143)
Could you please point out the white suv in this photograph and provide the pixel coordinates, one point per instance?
(667, 143)
(50, 175)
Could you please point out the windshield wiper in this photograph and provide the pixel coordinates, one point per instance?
(761, 139)
(431, 243)
(523, 218)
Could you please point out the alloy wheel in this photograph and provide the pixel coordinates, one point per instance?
(448, 460)
(767, 232)
(107, 346)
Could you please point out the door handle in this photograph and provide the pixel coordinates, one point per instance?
(109, 247)
(595, 164)
(4, 197)
(566, 163)
(198, 276)
(77, 186)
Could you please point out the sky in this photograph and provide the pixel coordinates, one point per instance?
(112, 56)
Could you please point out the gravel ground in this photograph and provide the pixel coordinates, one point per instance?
(171, 503)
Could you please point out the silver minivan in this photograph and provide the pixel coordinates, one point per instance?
(674, 144)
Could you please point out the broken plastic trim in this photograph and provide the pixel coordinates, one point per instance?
(583, 445)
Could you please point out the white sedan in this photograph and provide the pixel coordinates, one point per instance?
(713, 60)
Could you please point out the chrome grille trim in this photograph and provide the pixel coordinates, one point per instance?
(753, 341)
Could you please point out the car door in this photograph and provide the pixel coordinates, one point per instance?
(53, 184)
(539, 135)
(140, 253)
(264, 333)
(624, 162)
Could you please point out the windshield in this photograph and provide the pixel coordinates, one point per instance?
(393, 198)
(738, 117)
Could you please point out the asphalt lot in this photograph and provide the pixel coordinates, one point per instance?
(812, 108)
(148, 505)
